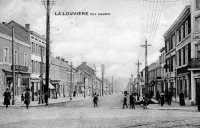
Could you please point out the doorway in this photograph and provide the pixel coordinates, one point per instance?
(197, 89)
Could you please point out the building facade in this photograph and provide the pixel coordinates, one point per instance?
(22, 63)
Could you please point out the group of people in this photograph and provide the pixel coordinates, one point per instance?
(24, 97)
(131, 99)
(168, 97)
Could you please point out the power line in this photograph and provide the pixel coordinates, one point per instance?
(158, 22)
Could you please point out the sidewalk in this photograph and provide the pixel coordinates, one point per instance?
(59, 100)
(173, 106)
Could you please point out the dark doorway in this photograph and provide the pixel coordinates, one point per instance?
(197, 89)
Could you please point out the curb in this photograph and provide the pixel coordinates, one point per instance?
(174, 109)
(42, 105)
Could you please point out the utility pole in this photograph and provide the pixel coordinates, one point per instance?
(130, 86)
(41, 78)
(84, 85)
(112, 84)
(102, 78)
(71, 85)
(13, 66)
(132, 82)
(47, 4)
(146, 67)
(138, 77)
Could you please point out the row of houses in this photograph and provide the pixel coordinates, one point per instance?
(178, 67)
(29, 62)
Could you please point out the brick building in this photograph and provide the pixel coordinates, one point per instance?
(22, 57)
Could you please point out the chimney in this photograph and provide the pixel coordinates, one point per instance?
(27, 26)
(63, 59)
(4, 23)
(58, 57)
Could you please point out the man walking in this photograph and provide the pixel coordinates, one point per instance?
(7, 97)
(95, 100)
(27, 97)
(125, 102)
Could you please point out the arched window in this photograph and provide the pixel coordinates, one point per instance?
(186, 28)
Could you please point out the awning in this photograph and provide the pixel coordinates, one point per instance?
(51, 86)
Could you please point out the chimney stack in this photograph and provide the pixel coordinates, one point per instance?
(4, 23)
(63, 59)
(27, 26)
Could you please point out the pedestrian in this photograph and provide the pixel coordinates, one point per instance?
(131, 100)
(162, 99)
(46, 98)
(182, 99)
(22, 97)
(158, 96)
(95, 100)
(125, 102)
(7, 97)
(134, 100)
(169, 98)
(27, 97)
(145, 100)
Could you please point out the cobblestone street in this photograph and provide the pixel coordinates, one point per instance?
(109, 114)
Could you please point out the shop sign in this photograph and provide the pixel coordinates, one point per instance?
(20, 68)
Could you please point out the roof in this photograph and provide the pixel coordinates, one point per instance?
(38, 35)
(86, 68)
(20, 30)
(178, 20)
(5, 30)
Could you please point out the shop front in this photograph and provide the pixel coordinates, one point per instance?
(22, 79)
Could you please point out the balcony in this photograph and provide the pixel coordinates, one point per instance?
(194, 63)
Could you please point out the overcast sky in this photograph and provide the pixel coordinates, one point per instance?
(112, 40)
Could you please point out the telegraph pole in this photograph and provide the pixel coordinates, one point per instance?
(102, 78)
(13, 66)
(112, 84)
(138, 77)
(41, 78)
(146, 67)
(132, 82)
(71, 85)
(47, 4)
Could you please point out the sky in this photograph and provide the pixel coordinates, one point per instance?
(113, 40)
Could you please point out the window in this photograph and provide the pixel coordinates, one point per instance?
(177, 36)
(179, 57)
(6, 55)
(36, 48)
(33, 47)
(182, 36)
(174, 41)
(32, 65)
(25, 59)
(36, 66)
(186, 28)
(183, 55)
(16, 57)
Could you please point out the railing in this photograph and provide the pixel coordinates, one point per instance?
(194, 63)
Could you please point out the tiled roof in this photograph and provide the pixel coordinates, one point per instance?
(20, 30)
(5, 30)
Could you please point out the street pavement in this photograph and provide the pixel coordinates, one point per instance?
(109, 114)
